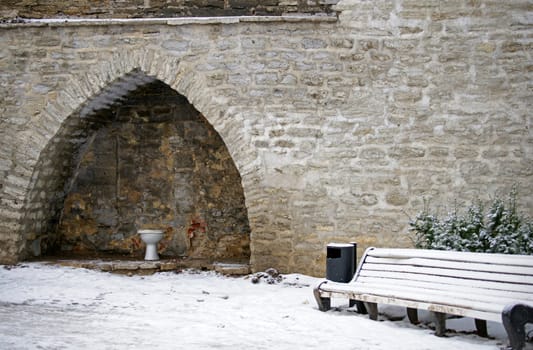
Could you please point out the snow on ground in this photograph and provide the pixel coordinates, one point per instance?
(52, 307)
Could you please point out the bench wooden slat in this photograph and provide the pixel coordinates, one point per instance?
(419, 304)
(466, 274)
(449, 280)
(424, 262)
(458, 296)
(451, 298)
(501, 259)
(452, 288)
(428, 297)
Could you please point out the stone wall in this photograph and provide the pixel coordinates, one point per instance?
(157, 8)
(340, 130)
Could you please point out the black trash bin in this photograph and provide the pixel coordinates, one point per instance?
(340, 262)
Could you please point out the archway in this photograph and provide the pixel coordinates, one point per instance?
(120, 162)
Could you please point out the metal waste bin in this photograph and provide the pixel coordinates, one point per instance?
(340, 262)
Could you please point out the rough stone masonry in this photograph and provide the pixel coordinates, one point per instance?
(340, 127)
(150, 162)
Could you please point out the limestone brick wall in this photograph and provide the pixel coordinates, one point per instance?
(340, 130)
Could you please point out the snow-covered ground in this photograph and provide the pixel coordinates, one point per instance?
(52, 307)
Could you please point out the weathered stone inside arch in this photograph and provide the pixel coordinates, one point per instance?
(152, 161)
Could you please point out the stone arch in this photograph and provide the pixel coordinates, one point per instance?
(86, 87)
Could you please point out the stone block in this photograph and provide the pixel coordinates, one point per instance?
(372, 154)
(397, 198)
(254, 43)
(232, 269)
(406, 152)
(266, 79)
(313, 43)
(475, 169)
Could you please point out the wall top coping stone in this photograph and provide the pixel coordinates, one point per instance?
(174, 21)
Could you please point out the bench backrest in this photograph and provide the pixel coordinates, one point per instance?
(480, 281)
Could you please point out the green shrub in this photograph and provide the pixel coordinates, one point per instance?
(501, 230)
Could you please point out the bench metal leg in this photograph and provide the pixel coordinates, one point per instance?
(412, 315)
(324, 304)
(439, 319)
(514, 318)
(481, 327)
(372, 309)
(360, 306)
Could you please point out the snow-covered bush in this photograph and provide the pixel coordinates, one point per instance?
(501, 230)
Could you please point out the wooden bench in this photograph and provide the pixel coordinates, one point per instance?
(494, 287)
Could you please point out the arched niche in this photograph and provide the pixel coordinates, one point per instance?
(137, 155)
